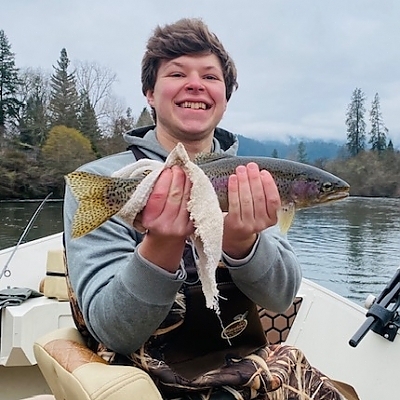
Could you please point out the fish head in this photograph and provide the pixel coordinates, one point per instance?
(319, 187)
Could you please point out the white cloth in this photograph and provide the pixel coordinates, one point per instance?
(203, 208)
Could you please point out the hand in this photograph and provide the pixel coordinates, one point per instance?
(253, 204)
(166, 219)
(166, 212)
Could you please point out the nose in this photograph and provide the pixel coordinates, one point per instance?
(194, 83)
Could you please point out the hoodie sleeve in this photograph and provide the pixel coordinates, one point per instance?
(123, 297)
(271, 275)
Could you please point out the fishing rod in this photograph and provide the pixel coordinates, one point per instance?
(6, 272)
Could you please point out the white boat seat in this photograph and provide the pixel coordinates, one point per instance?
(73, 372)
(54, 285)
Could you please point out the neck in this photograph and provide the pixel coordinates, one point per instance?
(193, 147)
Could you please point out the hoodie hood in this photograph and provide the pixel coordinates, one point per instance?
(145, 137)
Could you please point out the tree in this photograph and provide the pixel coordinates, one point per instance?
(97, 82)
(88, 122)
(378, 129)
(34, 117)
(64, 100)
(369, 174)
(302, 153)
(66, 149)
(145, 118)
(9, 81)
(20, 176)
(355, 123)
(274, 153)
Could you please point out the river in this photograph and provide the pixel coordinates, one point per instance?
(351, 247)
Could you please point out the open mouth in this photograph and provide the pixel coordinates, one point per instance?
(338, 195)
(194, 105)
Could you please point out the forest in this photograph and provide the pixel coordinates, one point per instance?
(50, 124)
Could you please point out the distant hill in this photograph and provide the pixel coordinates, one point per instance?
(315, 149)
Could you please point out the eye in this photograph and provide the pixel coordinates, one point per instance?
(176, 74)
(327, 186)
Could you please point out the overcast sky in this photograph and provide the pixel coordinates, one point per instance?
(298, 61)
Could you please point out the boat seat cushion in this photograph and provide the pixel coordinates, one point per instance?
(54, 285)
(73, 372)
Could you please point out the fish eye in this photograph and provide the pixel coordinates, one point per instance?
(327, 186)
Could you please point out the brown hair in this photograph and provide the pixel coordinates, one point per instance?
(186, 36)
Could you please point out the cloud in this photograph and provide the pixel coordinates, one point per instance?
(298, 62)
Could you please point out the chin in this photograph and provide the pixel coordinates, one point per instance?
(198, 134)
(194, 127)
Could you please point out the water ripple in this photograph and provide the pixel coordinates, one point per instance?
(351, 247)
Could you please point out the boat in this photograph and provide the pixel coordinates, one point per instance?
(334, 333)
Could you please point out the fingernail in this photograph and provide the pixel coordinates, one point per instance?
(252, 165)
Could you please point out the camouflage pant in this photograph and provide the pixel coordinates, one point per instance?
(275, 372)
(278, 372)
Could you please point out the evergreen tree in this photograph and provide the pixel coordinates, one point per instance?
(355, 123)
(274, 153)
(145, 118)
(390, 146)
(123, 123)
(114, 142)
(302, 153)
(378, 129)
(9, 81)
(88, 122)
(34, 119)
(64, 100)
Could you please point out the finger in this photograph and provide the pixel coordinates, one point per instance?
(272, 195)
(245, 195)
(257, 190)
(158, 197)
(176, 190)
(233, 196)
(176, 207)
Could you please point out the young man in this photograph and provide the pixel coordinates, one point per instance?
(126, 283)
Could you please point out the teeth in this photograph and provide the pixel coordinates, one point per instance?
(194, 105)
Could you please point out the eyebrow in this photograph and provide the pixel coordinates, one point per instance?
(178, 64)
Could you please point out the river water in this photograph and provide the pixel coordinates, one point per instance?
(351, 247)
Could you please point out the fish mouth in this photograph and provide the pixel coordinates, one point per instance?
(194, 105)
(337, 195)
(324, 198)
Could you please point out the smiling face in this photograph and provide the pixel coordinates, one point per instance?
(189, 98)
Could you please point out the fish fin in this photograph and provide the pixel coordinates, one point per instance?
(204, 158)
(93, 208)
(285, 217)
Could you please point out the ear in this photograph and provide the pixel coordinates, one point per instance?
(150, 98)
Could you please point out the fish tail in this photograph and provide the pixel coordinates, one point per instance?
(94, 205)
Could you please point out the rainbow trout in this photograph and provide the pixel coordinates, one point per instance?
(300, 186)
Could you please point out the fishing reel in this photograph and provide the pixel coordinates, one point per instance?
(383, 315)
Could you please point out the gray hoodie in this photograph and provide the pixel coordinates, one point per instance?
(124, 298)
